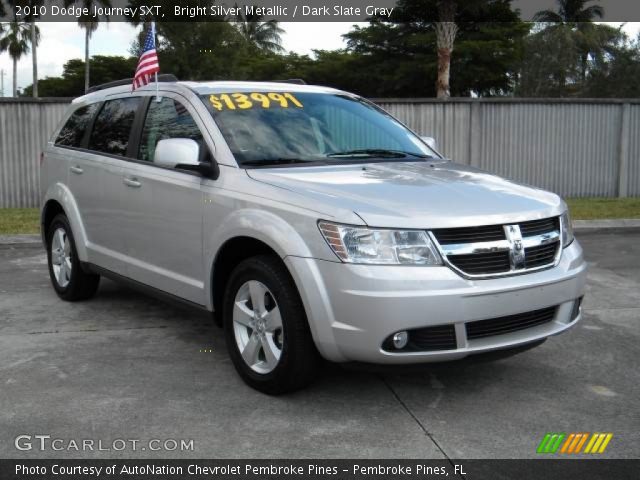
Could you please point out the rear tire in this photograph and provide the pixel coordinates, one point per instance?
(266, 328)
(70, 282)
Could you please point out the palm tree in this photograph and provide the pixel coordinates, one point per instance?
(262, 35)
(90, 24)
(34, 33)
(577, 15)
(16, 41)
(35, 39)
(571, 11)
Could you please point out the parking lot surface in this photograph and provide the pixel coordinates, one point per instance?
(126, 366)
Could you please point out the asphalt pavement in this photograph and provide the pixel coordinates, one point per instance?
(124, 366)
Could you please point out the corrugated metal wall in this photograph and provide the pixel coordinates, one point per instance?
(577, 148)
(564, 148)
(573, 147)
(24, 130)
(633, 179)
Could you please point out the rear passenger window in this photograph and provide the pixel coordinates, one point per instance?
(112, 128)
(73, 131)
(166, 119)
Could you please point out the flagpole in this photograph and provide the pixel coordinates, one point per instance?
(153, 29)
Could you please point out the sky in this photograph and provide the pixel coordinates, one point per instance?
(63, 41)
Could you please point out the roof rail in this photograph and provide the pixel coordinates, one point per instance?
(297, 81)
(165, 77)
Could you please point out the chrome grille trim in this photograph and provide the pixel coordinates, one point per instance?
(498, 245)
(515, 243)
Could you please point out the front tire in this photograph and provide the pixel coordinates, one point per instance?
(266, 328)
(70, 282)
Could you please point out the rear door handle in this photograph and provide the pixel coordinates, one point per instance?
(132, 182)
(77, 170)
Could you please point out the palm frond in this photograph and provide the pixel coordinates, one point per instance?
(547, 16)
(591, 12)
(16, 40)
(262, 35)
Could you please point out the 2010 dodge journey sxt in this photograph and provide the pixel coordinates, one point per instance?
(313, 223)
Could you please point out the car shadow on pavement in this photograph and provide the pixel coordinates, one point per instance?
(200, 329)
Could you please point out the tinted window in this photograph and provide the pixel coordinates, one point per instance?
(73, 131)
(263, 126)
(166, 119)
(112, 128)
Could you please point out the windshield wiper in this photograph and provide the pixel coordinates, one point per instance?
(278, 161)
(377, 152)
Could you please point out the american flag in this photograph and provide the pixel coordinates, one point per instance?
(148, 63)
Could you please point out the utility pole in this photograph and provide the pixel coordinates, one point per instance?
(2, 74)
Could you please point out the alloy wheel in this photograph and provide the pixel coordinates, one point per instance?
(257, 327)
(61, 257)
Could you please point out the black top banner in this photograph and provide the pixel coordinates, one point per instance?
(281, 10)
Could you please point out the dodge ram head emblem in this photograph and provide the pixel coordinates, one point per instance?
(516, 248)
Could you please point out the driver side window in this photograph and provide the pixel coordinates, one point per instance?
(166, 119)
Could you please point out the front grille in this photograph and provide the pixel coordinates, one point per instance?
(498, 250)
(540, 255)
(510, 323)
(482, 263)
(539, 227)
(449, 236)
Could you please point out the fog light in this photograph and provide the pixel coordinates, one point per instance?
(400, 340)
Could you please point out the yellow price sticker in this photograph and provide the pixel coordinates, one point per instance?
(243, 101)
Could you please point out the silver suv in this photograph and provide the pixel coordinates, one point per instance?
(312, 222)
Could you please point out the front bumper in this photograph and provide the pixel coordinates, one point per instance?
(352, 309)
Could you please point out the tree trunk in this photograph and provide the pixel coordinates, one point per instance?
(15, 77)
(444, 68)
(34, 57)
(584, 60)
(446, 30)
(86, 60)
(445, 37)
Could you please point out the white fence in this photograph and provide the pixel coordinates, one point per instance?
(576, 148)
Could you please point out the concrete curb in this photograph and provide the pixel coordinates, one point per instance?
(606, 226)
(20, 239)
(579, 226)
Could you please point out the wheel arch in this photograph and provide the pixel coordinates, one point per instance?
(50, 210)
(59, 199)
(252, 231)
(233, 251)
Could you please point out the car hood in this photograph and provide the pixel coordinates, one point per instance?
(415, 194)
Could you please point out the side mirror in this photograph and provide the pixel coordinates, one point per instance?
(185, 154)
(431, 143)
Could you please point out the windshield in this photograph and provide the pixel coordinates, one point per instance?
(267, 128)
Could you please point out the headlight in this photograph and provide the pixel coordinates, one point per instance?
(378, 246)
(567, 229)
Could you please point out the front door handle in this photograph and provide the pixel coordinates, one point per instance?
(77, 170)
(131, 182)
